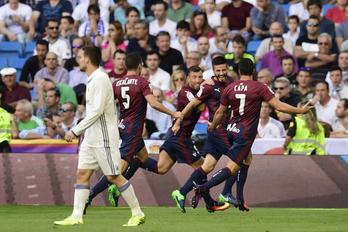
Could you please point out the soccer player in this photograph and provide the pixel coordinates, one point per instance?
(99, 148)
(132, 93)
(245, 97)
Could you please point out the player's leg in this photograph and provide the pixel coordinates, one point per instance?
(242, 176)
(165, 162)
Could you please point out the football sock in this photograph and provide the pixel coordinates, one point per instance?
(80, 198)
(150, 165)
(228, 185)
(132, 168)
(198, 176)
(102, 184)
(242, 176)
(209, 201)
(128, 195)
(219, 177)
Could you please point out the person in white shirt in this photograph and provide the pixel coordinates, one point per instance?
(80, 14)
(299, 9)
(294, 29)
(220, 42)
(14, 21)
(99, 148)
(183, 42)
(161, 22)
(338, 89)
(269, 127)
(341, 112)
(158, 77)
(214, 16)
(326, 105)
(203, 48)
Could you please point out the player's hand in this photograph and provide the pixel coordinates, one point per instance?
(69, 136)
(175, 128)
(211, 127)
(208, 82)
(306, 108)
(178, 115)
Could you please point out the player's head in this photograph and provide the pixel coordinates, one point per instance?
(195, 77)
(220, 68)
(89, 57)
(246, 67)
(134, 62)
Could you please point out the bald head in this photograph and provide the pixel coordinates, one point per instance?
(265, 76)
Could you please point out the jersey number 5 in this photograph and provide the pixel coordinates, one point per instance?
(125, 96)
(241, 97)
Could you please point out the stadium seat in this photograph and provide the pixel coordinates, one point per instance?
(286, 8)
(16, 62)
(10, 49)
(29, 49)
(326, 7)
(3, 62)
(252, 46)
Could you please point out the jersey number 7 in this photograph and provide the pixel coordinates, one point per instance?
(241, 97)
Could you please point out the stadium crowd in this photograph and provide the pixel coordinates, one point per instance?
(302, 54)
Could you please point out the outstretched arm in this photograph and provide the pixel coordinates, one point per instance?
(286, 108)
(160, 107)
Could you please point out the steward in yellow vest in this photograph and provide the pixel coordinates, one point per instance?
(5, 131)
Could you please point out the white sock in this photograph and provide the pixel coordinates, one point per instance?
(128, 195)
(80, 198)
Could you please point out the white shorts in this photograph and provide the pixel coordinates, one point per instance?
(108, 159)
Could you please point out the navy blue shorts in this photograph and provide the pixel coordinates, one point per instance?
(217, 144)
(240, 149)
(180, 148)
(130, 146)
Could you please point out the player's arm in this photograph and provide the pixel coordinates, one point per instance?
(218, 117)
(160, 107)
(286, 108)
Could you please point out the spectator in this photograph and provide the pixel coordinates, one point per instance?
(220, 43)
(119, 70)
(14, 21)
(58, 45)
(120, 11)
(306, 136)
(158, 77)
(183, 42)
(304, 88)
(67, 29)
(299, 9)
(47, 105)
(170, 58)
(33, 65)
(336, 14)
(236, 17)
(66, 93)
(325, 25)
(163, 121)
(12, 91)
(341, 112)
(179, 10)
(113, 41)
(294, 29)
(143, 42)
(326, 105)
(263, 15)
(5, 128)
(77, 43)
(213, 15)
(269, 127)
(80, 13)
(94, 27)
(193, 59)
(272, 59)
(25, 125)
(161, 22)
(46, 10)
(338, 89)
(199, 25)
(265, 76)
(288, 65)
(342, 30)
(343, 64)
(203, 48)
(133, 16)
(266, 45)
(145, 73)
(178, 80)
(342, 133)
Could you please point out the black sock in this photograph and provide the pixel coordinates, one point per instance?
(229, 184)
(219, 177)
(198, 176)
(102, 184)
(132, 168)
(242, 176)
(150, 165)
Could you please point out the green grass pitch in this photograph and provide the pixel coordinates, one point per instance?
(162, 219)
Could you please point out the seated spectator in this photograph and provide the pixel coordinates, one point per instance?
(67, 29)
(288, 65)
(236, 17)
(158, 77)
(326, 105)
(161, 22)
(194, 59)
(342, 30)
(269, 127)
(342, 133)
(58, 45)
(343, 64)
(170, 58)
(94, 27)
(33, 64)
(66, 92)
(46, 10)
(338, 89)
(119, 69)
(299, 9)
(145, 73)
(133, 16)
(199, 25)
(263, 15)
(114, 40)
(77, 44)
(25, 125)
(14, 21)
(48, 105)
(273, 58)
(163, 121)
(325, 25)
(341, 112)
(266, 45)
(120, 11)
(336, 14)
(213, 15)
(80, 13)
(306, 136)
(265, 76)
(13, 92)
(220, 43)
(183, 42)
(304, 88)
(178, 80)
(294, 29)
(179, 10)
(143, 41)
(203, 48)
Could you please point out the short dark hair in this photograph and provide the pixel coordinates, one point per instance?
(93, 7)
(314, 2)
(287, 57)
(324, 83)
(162, 33)
(55, 20)
(120, 51)
(239, 40)
(183, 24)
(69, 18)
(335, 68)
(246, 67)
(152, 52)
(345, 102)
(94, 54)
(144, 23)
(194, 68)
(130, 9)
(295, 17)
(133, 60)
(276, 36)
(56, 91)
(218, 60)
(162, 3)
(43, 43)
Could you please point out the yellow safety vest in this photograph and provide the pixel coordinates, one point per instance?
(5, 125)
(304, 142)
(230, 56)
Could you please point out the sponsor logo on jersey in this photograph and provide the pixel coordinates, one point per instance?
(233, 128)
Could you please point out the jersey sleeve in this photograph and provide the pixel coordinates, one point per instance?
(145, 87)
(224, 97)
(204, 92)
(266, 93)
